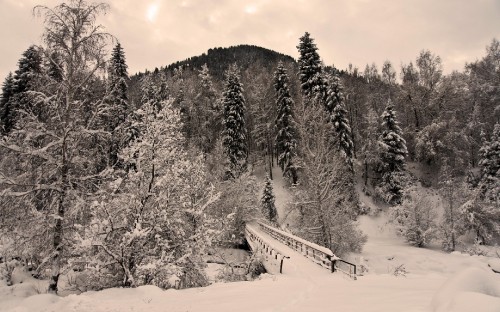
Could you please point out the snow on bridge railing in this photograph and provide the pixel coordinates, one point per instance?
(318, 254)
(272, 254)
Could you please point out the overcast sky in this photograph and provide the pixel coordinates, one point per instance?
(159, 32)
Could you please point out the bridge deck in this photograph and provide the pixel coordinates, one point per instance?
(295, 265)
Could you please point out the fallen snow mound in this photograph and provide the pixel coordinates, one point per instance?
(494, 264)
(473, 289)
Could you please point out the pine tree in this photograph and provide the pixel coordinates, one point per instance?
(29, 66)
(392, 157)
(268, 207)
(490, 163)
(310, 70)
(6, 123)
(234, 132)
(335, 105)
(117, 100)
(25, 77)
(286, 138)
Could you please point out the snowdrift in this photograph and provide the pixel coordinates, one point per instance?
(472, 289)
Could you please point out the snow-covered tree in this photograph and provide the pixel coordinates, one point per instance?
(325, 200)
(205, 115)
(310, 69)
(481, 217)
(6, 122)
(490, 164)
(238, 204)
(335, 105)
(151, 225)
(117, 104)
(286, 138)
(392, 157)
(234, 132)
(267, 202)
(369, 149)
(118, 88)
(50, 169)
(25, 79)
(29, 66)
(453, 193)
(415, 219)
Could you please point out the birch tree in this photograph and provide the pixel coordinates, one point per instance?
(50, 172)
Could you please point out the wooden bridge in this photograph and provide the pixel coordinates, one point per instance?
(279, 248)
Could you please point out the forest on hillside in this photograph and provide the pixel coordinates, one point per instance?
(139, 177)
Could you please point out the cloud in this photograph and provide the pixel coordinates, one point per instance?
(159, 32)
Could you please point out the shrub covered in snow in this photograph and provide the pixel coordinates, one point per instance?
(415, 219)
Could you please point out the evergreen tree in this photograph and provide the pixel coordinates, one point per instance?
(25, 77)
(118, 88)
(338, 117)
(490, 163)
(286, 142)
(392, 157)
(234, 132)
(117, 100)
(268, 207)
(6, 123)
(29, 66)
(310, 70)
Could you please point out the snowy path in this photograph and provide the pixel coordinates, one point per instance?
(280, 189)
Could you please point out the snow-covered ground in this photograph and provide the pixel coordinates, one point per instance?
(397, 277)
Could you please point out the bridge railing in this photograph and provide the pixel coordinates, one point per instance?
(273, 255)
(316, 253)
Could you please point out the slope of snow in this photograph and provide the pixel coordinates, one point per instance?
(281, 192)
(465, 291)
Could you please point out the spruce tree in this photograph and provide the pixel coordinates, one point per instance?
(338, 117)
(286, 142)
(6, 121)
(392, 157)
(268, 207)
(310, 70)
(490, 163)
(25, 78)
(117, 101)
(118, 88)
(234, 132)
(29, 66)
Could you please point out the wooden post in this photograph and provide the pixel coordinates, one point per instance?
(281, 264)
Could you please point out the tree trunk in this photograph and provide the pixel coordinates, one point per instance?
(366, 172)
(58, 228)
